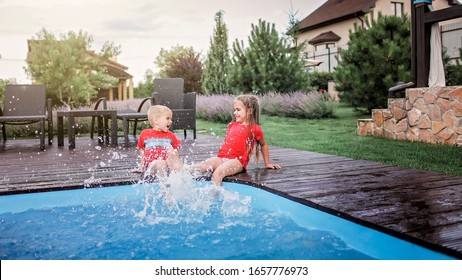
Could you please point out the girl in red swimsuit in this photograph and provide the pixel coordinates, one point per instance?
(243, 137)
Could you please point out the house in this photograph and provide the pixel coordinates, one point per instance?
(121, 91)
(326, 30)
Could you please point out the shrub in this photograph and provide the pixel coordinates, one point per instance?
(319, 80)
(315, 105)
(215, 107)
(298, 104)
(377, 58)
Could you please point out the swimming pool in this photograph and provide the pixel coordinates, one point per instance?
(151, 221)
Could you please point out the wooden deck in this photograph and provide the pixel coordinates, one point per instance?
(418, 206)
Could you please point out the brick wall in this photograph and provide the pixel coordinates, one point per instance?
(431, 115)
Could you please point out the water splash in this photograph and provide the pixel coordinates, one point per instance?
(179, 197)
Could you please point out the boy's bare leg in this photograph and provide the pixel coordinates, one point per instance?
(158, 168)
(173, 161)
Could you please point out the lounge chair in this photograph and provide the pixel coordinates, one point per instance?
(170, 92)
(26, 104)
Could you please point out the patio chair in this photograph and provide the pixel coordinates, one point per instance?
(96, 106)
(26, 104)
(126, 115)
(170, 92)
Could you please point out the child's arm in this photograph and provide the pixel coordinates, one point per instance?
(265, 153)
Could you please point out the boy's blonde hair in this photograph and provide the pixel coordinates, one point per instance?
(157, 111)
(251, 103)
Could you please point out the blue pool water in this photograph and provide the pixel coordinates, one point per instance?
(149, 221)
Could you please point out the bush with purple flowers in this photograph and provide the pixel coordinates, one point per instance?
(215, 107)
(313, 105)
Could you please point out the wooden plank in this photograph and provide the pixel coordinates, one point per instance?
(443, 14)
(415, 205)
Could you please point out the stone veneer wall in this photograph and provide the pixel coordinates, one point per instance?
(431, 115)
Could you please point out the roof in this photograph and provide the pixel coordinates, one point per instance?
(325, 37)
(335, 11)
(117, 70)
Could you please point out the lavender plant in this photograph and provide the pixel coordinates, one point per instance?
(297, 104)
(218, 107)
(215, 107)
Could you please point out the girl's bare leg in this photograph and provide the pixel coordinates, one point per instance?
(209, 164)
(227, 168)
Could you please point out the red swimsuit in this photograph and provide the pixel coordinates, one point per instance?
(238, 138)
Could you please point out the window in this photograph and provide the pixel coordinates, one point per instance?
(397, 9)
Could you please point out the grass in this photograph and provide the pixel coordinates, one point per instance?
(337, 136)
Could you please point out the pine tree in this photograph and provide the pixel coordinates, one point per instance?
(217, 62)
(377, 58)
(268, 64)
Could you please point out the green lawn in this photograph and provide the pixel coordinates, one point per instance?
(338, 136)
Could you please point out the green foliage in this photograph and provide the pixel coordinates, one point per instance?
(268, 64)
(293, 28)
(218, 60)
(3, 83)
(146, 88)
(165, 59)
(188, 67)
(453, 72)
(377, 58)
(71, 72)
(181, 62)
(319, 80)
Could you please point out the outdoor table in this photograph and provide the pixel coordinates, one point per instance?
(126, 116)
(71, 115)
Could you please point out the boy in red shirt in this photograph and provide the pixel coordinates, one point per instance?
(158, 146)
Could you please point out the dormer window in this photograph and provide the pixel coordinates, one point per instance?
(324, 41)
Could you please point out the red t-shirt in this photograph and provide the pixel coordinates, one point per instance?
(155, 144)
(238, 138)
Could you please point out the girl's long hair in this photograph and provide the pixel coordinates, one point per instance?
(251, 104)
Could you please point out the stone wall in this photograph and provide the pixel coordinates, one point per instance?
(430, 115)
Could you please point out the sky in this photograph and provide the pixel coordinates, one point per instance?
(140, 27)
